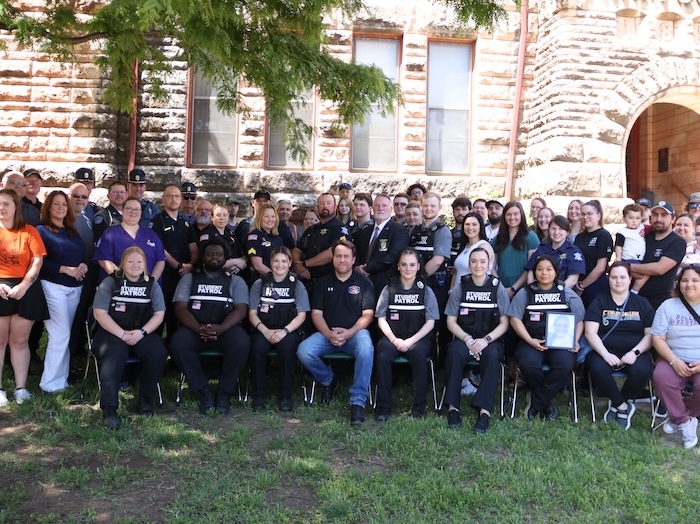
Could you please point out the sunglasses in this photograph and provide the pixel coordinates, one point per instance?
(694, 205)
(81, 197)
(189, 197)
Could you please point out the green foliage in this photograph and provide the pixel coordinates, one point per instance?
(276, 45)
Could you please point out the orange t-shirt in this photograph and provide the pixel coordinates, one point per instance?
(17, 248)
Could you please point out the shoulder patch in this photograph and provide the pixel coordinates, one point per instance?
(291, 278)
(99, 219)
(420, 284)
(495, 281)
(252, 251)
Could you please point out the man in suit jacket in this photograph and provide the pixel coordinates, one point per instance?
(378, 248)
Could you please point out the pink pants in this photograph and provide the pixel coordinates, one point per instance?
(669, 387)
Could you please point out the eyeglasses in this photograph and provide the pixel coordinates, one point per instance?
(189, 197)
(132, 209)
(81, 197)
(694, 205)
(17, 183)
(589, 214)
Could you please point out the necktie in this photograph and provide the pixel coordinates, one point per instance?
(375, 234)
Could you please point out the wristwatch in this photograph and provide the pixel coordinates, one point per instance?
(143, 332)
(488, 339)
(637, 352)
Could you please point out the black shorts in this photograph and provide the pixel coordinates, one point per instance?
(31, 306)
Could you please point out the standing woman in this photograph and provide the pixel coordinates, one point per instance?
(528, 316)
(279, 304)
(235, 253)
(541, 229)
(21, 299)
(476, 316)
(569, 257)
(264, 239)
(685, 228)
(596, 244)
(573, 214)
(618, 325)
(536, 205)
(406, 313)
(344, 212)
(514, 245)
(62, 275)
(473, 236)
(128, 309)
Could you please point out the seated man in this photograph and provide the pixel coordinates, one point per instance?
(341, 309)
(210, 304)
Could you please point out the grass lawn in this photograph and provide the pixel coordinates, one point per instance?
(59, 466)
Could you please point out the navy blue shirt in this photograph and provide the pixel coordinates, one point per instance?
(62, 250)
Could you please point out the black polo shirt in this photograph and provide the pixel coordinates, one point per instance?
(320, 237)
(342, 303)
(176, 234)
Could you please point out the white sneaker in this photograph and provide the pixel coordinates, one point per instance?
(610, 414)
(669, 427)
(690, 433)
(3, 398)
(21, 394)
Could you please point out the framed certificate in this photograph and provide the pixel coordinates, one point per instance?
(560, 331)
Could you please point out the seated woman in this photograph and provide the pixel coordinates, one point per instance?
(406, 313)
(264, 239)
(279, 304)
(476, 316)
(128, 308)
(528, 316)
(617, 326)
(675, 333)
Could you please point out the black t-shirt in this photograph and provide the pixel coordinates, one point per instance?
(320, 237)
(342, 303)
(176, 235)
(629, 331)
(594, 246)
(658, 288)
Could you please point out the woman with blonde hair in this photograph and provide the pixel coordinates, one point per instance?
(264, 238)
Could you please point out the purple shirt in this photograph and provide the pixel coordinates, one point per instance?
(115, 240)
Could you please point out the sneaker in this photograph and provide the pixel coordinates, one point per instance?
(382, 415)
(551, 413)
(286, 405)
(357, 414)
(669, 427)
(454, 419)
(3, 398)
(624, 418)
(690, 433)
(661, 411)
(610, 414)
(328, 391)
(532, 414)
(110, 420)
(223, 402)
(21, 395)
(206, 400)
(482, 423)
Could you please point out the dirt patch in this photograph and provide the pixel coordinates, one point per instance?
(294, 497)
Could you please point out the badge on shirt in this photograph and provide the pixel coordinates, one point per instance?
(535, 316)
(324, 231)
(383, 244)
(264, 308)
(419, 285)
(120, 307)
(150, 244)
(266, 243)
(169, 228)
(354, 290)
(393, 316)
(196, 305)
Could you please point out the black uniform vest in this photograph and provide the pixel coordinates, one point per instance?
(406, 308)
(210, 297)
(539, 303)
(277, 305)
(423, 241)
(130, 306)
(478, 306)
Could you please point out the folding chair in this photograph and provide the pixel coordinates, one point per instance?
(573, 402)
(209, 354)
(90, 328)
(477, 365)
(335, 356)
(617, 375)
(431, 369)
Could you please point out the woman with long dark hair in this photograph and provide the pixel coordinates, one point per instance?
(514, 245)
(473, 236)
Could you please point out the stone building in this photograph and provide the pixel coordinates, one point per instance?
(595, 98)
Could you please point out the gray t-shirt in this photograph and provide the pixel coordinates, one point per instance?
(237, 290)
(103, 296)
(452, 308)
(432, 311)
(682, 331)
(301, 297)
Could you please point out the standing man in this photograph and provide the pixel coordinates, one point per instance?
(480, 207)
(180, 250)
(460, 207)
(189, 197)
(312, 255)
(31, 194)
(400, 202)
(342, 308)
(379, 247)
(362, 206)
(136, 189)
(345, 191)
(285, 210)
(86, 176)
(210, 304)
(261, 196)
(232, 207)
(15, 180)
(203, 228)
(664, 252)
(414, 218)
(112, 214)
(495, 210)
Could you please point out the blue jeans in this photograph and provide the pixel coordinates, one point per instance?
(359, 346)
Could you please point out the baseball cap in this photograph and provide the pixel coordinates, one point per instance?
(84, 174)
(31, 171)
(137, 176)
(644, 202)
(188, 187)
(230, 199)
(345, 185)
(262, 193)
(494, 201)
(694, 198)
(665, 205)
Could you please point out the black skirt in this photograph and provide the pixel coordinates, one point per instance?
(31, 306)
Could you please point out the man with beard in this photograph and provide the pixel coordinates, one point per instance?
(112, 214)
(180, 249)
(203, 228)
(400, 202)
(665, 250)
(460, 207)
(312, 255)
(210, 304)
(495, 210)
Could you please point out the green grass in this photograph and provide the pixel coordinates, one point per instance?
(59, 466)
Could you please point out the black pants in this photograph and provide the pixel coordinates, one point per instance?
(78, 337)
(638, 375)
(170, 280)
(234, 345)
(286, 356)
(112, 355)
(442, 336)
(490, 364)
(544, 386)
(384, 354)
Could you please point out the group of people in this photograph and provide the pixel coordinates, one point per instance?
(382, 277)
